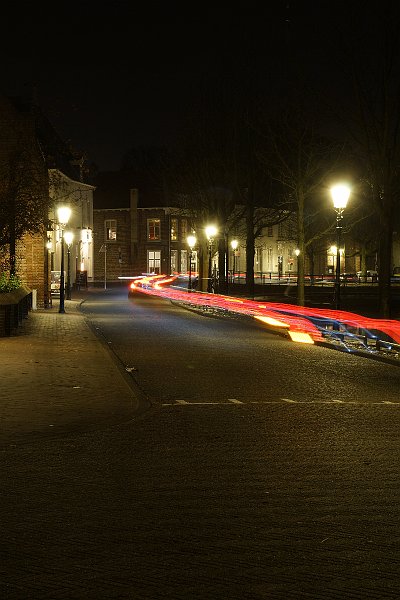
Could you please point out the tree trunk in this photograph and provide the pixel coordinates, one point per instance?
(203, 268)
(222, 257)
(385, 261)
(250, 250)
(302, 248)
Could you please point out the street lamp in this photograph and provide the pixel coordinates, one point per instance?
(191, 240)
(68, 236)
(211, 232)
(297, 253)
(63, 214)
(234, 245)
(340, 194)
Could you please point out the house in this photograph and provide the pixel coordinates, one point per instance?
(132, 240)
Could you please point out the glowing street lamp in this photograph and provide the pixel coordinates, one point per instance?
(63, 214)
(234, 245)
(69, 236)
(340, 194)
(191, 241)
(211, 232)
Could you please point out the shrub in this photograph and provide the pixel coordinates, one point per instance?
(9, 282)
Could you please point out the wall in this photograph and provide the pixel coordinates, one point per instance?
(112, 258)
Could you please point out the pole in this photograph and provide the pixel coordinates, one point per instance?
(338, 242)
(190, 272)
(209, 286)
(69, 273)
(47, 293)
(226, 265)
(105, 266)
(62, 282)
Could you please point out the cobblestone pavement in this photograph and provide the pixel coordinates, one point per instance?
(54, 372)
(127, 513)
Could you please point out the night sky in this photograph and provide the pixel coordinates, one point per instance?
(120, 75)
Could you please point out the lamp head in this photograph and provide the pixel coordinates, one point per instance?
(68, 237)
(234, 244)
(211, 231)
(191, 241)
(63, 214)
(340, 194)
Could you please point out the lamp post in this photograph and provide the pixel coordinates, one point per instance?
(234, 245)
(191, 240)
(297, 253)
(47, 291)
(340, 195)
(63, 213)
(211, 232)
(68, 236)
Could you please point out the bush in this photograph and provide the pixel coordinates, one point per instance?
(8, 283)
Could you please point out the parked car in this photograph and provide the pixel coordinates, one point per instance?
(369, 276)
(349, 277)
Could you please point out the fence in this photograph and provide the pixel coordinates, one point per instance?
(14, 307)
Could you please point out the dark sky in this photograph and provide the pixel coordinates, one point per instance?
(115, 75)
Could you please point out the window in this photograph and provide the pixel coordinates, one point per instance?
(174, 230)
(153, 261)
(270, 231)
(269, 260)
(110, 230)
(174, 261)
(153, 229)
(184, 261)
(257, 259)
(184, 229)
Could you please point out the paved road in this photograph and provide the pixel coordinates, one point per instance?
(278, 500)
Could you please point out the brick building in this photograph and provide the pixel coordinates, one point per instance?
(133, 240)
(30, 152)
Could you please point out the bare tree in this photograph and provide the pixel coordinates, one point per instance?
(302, 163)
(370, 118)
(24, 198)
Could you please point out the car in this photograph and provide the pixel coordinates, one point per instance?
(396, 272)
(349, 277)
(370, 275)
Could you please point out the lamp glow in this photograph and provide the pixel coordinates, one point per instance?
(340, 194)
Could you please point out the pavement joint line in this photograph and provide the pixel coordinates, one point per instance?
(281, 401)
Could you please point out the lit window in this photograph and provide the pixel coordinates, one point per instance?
(153, 229)
(110, 228)
(174, 229)
(154, 261)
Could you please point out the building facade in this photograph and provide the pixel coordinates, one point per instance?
(135, 240)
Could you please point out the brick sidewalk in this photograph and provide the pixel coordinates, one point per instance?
(55, 373)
